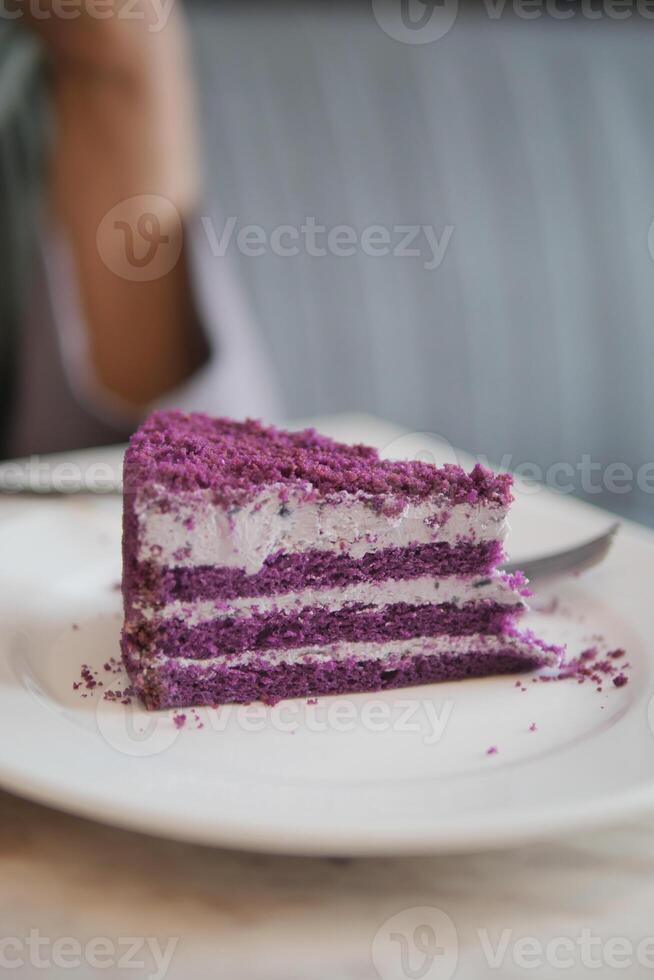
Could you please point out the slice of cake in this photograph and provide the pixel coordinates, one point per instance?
(262, 564)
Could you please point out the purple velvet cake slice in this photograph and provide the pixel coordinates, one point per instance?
(262, 564)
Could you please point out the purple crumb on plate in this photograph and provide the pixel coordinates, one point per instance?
(87, 677)
(590, 666)
(532, 727)
(492, 750)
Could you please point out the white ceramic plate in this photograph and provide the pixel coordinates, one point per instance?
(404, 771)
(396, 772)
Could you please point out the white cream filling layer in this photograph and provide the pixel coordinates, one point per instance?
(419, 591)
(391, 650)
(198, 532)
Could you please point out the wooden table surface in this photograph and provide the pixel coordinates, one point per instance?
(221, 914)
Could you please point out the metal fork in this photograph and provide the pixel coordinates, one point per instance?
(574, 559)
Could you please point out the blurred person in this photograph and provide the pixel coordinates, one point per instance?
(98, 343)
(450, 230)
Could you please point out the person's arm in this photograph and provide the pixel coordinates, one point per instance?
(124, 130)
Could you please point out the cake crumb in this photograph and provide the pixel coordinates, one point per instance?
(179, 720)
(595, 667)
(124, 697)
(88, 677)
(532, 727)
(312, 701)
(492, 750)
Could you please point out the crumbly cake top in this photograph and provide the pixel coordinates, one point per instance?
(236, 459)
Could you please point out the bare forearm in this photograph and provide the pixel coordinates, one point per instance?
(124, 133)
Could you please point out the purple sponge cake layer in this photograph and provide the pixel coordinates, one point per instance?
(175, 684)
(288, 573)
(262, 563)
(314, 625)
